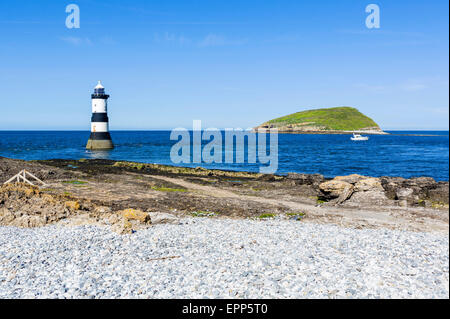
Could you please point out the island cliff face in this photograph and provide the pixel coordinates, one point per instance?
(327, 120)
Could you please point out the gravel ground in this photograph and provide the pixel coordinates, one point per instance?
(220, 258)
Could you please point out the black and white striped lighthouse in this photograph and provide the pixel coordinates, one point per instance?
(100, 138)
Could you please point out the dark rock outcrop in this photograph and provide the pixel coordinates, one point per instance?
(357, 189)
(440, 193)
(415, 191)
(10, 167)
(306, 179)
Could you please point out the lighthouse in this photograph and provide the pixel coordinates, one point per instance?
(100, 138)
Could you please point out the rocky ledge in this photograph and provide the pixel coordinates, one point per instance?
(22, 205)
(383, 191)
(130, 196)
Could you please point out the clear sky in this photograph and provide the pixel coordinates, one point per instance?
(229, 63)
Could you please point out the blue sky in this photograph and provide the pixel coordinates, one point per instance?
(228, 63)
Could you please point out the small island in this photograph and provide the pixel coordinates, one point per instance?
(335, 120)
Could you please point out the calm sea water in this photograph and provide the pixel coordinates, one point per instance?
(330, 155)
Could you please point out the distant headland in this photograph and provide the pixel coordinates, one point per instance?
(335, 120)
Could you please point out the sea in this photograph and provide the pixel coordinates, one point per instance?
(403, 153)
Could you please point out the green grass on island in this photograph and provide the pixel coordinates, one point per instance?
(332, 119)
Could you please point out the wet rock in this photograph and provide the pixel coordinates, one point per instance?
(10, 167)
(306, 179)
(415, 191)
(296, 176)
(440, 193)
(267, 178)
(421, 182)
(390, 185)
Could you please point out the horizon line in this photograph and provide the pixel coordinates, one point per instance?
(167, 129)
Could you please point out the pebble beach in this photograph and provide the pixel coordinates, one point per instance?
(223, 258)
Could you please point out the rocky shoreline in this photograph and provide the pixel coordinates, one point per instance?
(126, 194)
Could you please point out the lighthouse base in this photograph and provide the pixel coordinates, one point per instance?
(100, 141)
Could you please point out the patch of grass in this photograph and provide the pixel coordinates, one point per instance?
(75, 182)
(437, 205)
(67, 194)
(320, 201)
(47, 190)
(296, 216)
(264, 216)
(168, 189)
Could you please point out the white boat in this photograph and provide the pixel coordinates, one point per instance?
(358, 137)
